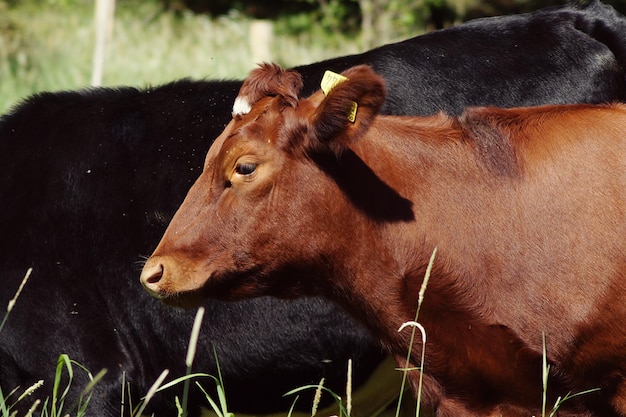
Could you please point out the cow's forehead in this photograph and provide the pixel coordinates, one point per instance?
(246, 132)
(266, 116)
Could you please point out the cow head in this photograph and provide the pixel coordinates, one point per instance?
(264, 210)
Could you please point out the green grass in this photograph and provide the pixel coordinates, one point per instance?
(48, 46)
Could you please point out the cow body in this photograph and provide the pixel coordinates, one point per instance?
(525, 207)
(528, 59)
(91, 178)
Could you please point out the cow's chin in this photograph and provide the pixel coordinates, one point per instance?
(235, 286)
(226, 286)
(213, 289)
(195, 298)
(186, 299)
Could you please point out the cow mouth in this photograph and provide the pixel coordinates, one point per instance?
(217, 288)
(162, 280)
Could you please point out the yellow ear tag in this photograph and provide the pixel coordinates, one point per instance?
(329, 81)
(352, 112)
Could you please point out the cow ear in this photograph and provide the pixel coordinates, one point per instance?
(268, 80)
(348, 109)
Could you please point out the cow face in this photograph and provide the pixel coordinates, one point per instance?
(259, 219)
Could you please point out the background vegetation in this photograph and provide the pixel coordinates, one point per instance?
(48, 45)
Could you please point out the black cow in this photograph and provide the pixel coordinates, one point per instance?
(89, 180)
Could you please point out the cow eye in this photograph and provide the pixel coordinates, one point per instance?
(245, 169)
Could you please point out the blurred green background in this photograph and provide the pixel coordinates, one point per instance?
(48, 45)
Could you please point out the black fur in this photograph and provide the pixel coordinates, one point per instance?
(567, 54)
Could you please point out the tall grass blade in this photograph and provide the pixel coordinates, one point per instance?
(4, 408)
(153, 389)
(412, 339)
(85, 395)
(293, 406)
(544, 381)
(183, 379)
(213, 404)
(32, 409)
(123, 395)
(222, 409)
(415, 324)
(28, 391)
(219, 368)
(191, 353)
(221, 395)
(221, 390)
(59, 400)
(560, 401)
(14, 299)
(545, 369)
(337, 398)
(44, 408)
(317, 398)
(179, 407)
(219, 411)
(19, 290)
(349, 389)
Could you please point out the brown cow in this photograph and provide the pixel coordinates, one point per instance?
(525, 206)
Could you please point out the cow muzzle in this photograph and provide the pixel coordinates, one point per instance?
(151, 277)
(172, 281)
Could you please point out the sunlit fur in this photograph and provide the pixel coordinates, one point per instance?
(525, 207)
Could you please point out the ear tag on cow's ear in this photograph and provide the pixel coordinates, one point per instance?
(352, 112)
(329, 81)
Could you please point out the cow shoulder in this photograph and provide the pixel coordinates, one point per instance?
(490, 131)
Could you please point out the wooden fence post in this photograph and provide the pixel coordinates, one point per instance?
(104, 18)
(261, 36)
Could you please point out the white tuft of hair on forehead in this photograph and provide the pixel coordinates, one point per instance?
(241, 106)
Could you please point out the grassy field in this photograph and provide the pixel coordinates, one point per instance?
(48, 46)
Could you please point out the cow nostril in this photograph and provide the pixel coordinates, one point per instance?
(156, 275)
(151, 276)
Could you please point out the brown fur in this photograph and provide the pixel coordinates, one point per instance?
(271, 80)
(525, 206)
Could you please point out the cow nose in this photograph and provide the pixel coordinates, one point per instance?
(151, 276)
